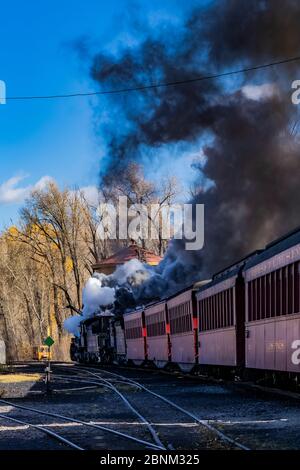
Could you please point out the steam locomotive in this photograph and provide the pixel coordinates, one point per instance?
(245, 321)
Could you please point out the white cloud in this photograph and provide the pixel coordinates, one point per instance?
(11, 192)
(43, 182)
(260, 92)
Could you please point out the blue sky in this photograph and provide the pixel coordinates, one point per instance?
(40, 139)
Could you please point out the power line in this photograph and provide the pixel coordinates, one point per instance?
(156, 85)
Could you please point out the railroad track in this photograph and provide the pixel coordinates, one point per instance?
(48, 432)
(111, 386)
(84, 371)
(68, 419)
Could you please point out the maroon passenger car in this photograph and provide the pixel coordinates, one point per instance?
(182, 316)
(135, 335)
(221, 320)
(272, 284)
(221, 313)
(157, 329)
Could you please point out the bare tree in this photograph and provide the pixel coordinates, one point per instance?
(139, 190)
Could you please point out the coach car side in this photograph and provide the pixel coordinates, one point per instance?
(135, 335)
(157, 334)
(273, 307)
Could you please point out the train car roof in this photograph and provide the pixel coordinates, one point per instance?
(276, 246)
(137, 309)
(195, 286)
(230, 271)
(88, 321)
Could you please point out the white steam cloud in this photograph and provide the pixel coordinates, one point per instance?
(102, 292)
(96, 295)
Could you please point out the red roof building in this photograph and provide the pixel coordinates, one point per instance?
(133, 251)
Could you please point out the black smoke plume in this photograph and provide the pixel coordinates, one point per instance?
(252, 151)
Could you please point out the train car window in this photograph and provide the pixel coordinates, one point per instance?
(133, 329)
(216, 318)
(281, 287)
(216, 311)
(208, 313)
(231, 305)
(266, 296)
(290, 292)
(180, 318)
(268, 291)
(258, 296)
(253, 300)
(222, 309)
(215, 314)
(214, 324)
(278, 309)
(279, 305)
(225, 308)
(255, 286)
(219, 324)
(155, 324)
(227, 322)
(264, 292)
(296, 287)
(272, 294)
(283, 291)
(249, 298)
(258, 299)
(258, 313)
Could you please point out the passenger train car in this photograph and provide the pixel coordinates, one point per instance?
(272, 306)
(245, 321)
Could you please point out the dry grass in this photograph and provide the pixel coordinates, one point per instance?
(15, 378)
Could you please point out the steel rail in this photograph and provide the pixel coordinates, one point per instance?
(89, 424)
(152, 431)
(204, 423)
(44, 430)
